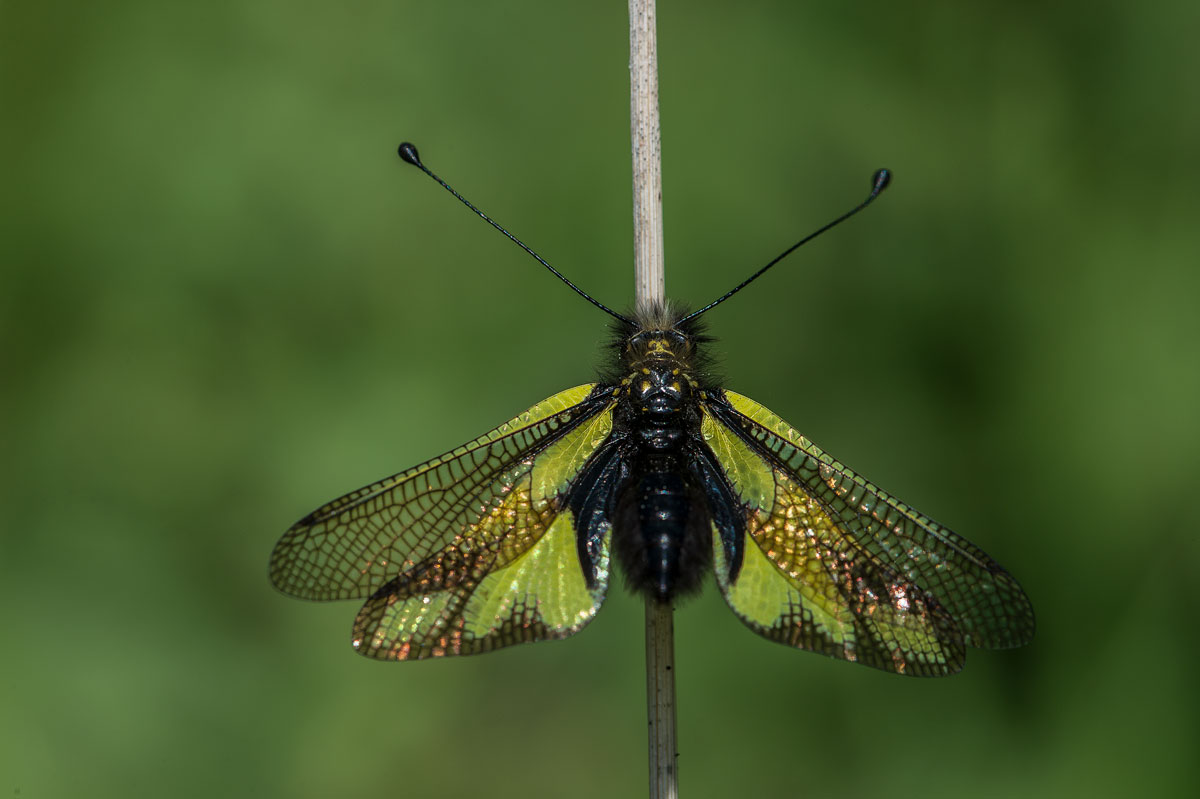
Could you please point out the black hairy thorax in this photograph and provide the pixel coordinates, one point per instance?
(652, 486)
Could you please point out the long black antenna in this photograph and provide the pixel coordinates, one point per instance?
(409, 153)
(879, 182)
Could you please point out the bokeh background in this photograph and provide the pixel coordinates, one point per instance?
(224, 301)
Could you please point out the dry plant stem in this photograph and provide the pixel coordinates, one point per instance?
(660, 699)
(650, 290)
(647, 154)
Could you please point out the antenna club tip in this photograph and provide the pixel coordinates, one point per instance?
(880, 180)
(408, 152)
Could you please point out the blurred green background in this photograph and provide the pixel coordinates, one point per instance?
(224, 301)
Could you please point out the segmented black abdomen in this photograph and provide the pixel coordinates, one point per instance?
(661, 530)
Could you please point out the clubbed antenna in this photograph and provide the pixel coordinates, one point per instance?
(408, 152)
(879, 182)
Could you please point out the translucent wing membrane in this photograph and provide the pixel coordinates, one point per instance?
(468, 552)
(835, 565)
(538, 595)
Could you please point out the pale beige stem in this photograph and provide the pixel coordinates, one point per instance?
(660, 699)
(649, 275)
(647, 154)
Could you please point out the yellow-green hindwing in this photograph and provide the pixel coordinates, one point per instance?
(468, 552)
(834, 565)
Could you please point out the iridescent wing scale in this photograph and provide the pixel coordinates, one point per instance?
(833, 564)
(468, 552)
